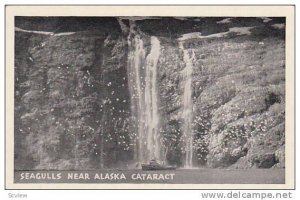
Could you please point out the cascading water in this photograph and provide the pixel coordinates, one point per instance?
(187, 113)
(136, 59)
(151, 111)
(142, 73)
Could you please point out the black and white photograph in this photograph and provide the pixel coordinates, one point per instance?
(141, 100)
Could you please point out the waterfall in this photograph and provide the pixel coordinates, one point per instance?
(151, 108)
(136, 59)
(187, 113)
(142, 77)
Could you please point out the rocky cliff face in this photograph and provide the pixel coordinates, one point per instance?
(73, 105)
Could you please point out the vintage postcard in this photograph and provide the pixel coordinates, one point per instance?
(149, 97)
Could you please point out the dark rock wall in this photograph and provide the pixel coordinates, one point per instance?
(71, 96)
